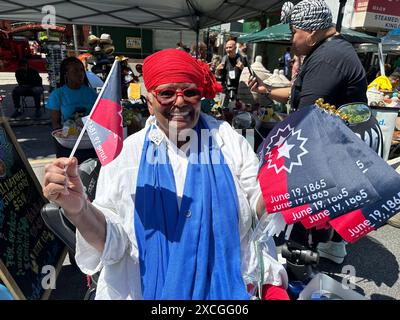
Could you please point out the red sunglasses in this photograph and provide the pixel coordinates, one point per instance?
(168, 96)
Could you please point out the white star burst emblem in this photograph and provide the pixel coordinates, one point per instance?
(293, 152)
(284, 151)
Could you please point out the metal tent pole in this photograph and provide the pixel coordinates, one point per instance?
(197, 35)
(75, 34)
(340, 15)
(141, 43)
(381, 62)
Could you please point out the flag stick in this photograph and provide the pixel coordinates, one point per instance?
(91, 111)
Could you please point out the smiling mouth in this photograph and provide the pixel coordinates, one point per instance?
(179, 114)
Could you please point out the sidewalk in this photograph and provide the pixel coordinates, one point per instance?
(7, 84)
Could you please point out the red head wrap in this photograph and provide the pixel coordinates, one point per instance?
(172, 65)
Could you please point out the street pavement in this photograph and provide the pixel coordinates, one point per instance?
(375, 258)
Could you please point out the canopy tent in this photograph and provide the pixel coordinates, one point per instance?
(391, 42)
(392, 37)
(152, 14)
(35, 27)
(280, 33)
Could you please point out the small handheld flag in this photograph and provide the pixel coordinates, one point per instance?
(104, 123)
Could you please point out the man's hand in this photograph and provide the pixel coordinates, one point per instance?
(256, 85)
(239, 64)
(220, 67)
(63, 186)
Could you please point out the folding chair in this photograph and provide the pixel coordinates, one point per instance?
(24, 103)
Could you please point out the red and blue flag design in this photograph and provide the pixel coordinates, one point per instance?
(292, 154)
(105, 121)
(386, 181)
(325, 176)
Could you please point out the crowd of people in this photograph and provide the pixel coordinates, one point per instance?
(165, 223)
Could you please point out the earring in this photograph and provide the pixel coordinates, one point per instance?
(310, 44)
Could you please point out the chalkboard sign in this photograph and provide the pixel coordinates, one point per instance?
(30, 254)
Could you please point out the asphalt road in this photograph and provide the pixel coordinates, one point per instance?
(375, 258)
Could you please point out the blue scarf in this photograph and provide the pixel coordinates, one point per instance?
(191, 252)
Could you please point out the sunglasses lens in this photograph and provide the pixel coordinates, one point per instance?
(190, 93)
(168, 96)
(167, 93)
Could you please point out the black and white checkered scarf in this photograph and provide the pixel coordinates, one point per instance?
(307, 15)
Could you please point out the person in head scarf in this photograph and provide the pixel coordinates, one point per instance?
(172, 217)
(331, 70)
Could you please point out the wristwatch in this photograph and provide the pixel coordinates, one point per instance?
(269, 89)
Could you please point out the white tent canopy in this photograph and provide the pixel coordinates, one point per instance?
(152, 14)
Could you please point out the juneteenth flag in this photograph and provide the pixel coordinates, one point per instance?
(386, 181)
(104, 123)
(291, 154)
(347, 156)
(333, 180)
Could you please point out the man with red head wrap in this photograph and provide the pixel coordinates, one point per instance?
(173, 213)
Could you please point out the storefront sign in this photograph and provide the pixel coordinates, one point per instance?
(133, 43)
(376, 14)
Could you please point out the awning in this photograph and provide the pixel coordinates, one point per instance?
(280, 33)
(152, 14)
(34, 27)
(391, 42)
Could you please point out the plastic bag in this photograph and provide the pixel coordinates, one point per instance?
(69, 128)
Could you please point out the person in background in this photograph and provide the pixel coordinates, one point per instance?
(215, 61)
(180, 46)
(72, 99)
(243, 49)
(202, 51)
(139, 70)
(395, 80)
(29, 84)
(287, 58)
(94, 81)
(388, 68)
(230, 69)
(386, 84)
(331, 70)
(295, 65)
(173, 213)
(127, 76)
